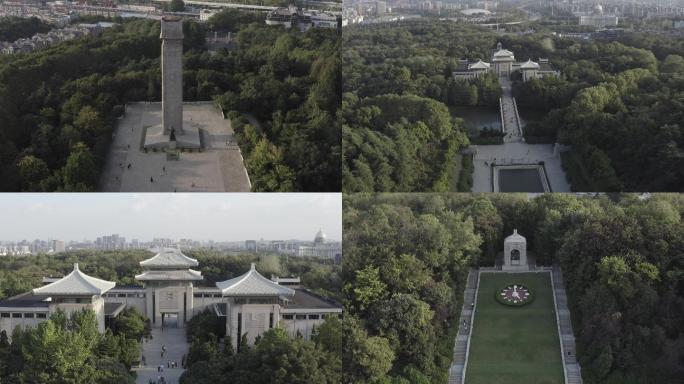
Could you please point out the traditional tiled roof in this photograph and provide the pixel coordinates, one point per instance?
(503, 53)
(305, 299)
(173, 275)
(76, 283)
(515, 237)
(478, 65)
(169, 258)
(529, 64)
(252, 283)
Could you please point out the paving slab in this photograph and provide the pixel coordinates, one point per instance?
(176, 346)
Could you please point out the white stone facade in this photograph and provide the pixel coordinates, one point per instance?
(515, 253)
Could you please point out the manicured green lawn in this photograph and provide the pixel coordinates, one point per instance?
(515, 345)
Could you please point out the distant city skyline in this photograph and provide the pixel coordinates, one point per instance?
(199, 216)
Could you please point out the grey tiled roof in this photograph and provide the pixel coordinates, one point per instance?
(26, 300)
(253, 283)
(76, 283)
(179, 275)
(170, 258)
(304, 298)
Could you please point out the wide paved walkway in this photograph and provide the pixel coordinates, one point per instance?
(176, 346)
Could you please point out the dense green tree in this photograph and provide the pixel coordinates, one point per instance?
(13, 28)
(267, 169)
(130, 324)
(32, 170)
(89, 122)
(176, 6)
(366, 359)
(80, 173)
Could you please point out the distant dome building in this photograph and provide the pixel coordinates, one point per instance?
(321, 248)
(320, 237)
(598, 9)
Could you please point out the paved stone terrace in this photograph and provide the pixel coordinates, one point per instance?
(218, 168)
(176, 346)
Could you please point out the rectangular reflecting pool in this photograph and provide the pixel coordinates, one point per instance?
(520, 180)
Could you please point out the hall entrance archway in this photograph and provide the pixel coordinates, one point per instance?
(169, 319)
(515, 257)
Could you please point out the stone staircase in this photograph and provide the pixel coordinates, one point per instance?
(465, 321)
(509, 113)
(572, 367)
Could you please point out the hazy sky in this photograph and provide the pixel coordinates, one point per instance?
(199, 216)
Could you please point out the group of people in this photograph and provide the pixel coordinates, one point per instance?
(160, 368)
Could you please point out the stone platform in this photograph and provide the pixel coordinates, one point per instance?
(216, 167)
(189, 139)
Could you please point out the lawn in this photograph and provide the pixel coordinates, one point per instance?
(515, 345)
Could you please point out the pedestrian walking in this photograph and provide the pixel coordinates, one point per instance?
(152, 181)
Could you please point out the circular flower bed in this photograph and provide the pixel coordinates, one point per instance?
(515, 295)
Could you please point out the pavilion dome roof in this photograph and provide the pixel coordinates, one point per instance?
(529, 64)
(479, 65)
(502, 53)
(515, 237)
(76, 283)
(169, 258)
(252, 283)
(173, 275)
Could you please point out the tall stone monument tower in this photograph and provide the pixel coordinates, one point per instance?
(173, 132)
(172, 75)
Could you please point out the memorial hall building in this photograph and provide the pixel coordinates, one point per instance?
(503, 63)
(170, 294)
